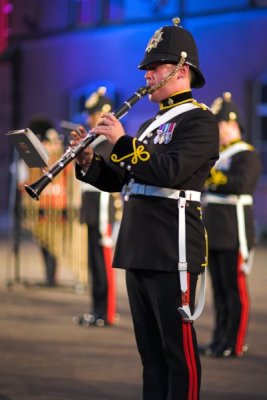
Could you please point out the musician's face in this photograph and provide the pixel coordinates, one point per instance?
(229, 132)
(155, 73)
(93, 118)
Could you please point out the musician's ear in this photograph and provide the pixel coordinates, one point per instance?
(183, 71)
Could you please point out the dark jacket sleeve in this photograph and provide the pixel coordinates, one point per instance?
(241, 177)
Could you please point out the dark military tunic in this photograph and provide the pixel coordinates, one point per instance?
(238, 175)
(148, 237)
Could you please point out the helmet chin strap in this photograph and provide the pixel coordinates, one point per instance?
(170, 75)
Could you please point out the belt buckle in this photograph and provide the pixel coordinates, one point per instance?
(144, 190)
(127, 189)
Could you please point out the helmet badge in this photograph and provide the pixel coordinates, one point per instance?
(154, 41)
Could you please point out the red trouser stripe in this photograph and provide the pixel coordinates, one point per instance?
(110, 273)
(244, 299)
(190, 359)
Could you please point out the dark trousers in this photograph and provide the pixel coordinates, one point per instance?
(98, 273)
(231, 299)
(167, 345)
(50, 266)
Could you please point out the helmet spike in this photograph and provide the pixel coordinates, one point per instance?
(227, 96)
(176, 21)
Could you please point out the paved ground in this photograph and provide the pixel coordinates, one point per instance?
(44, 356)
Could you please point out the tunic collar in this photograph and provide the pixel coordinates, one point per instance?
(177, 98)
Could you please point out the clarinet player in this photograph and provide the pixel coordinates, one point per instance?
(162, 241)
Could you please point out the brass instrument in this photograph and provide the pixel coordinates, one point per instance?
(54, 221)
(70, 154)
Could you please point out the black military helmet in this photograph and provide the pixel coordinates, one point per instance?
(166, 46)
(225, 109)
(97, 101)
(40, 124)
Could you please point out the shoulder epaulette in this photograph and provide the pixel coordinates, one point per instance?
(200, 105)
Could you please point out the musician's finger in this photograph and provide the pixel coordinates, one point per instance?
(79, 132)
(74, 134)
(111, 117)
(101, 122)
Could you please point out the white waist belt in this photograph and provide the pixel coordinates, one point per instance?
(239, 202)
(232, 199)
(147, 190)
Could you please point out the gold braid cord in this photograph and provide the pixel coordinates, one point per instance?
(171, 74)
(216, 178)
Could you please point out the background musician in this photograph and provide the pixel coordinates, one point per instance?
(228, 216)
(100, 211)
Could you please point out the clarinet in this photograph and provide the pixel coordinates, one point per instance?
(35, 189)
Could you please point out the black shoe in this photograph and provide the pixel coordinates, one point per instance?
(228, 351)
(245, 348)
(225, 352)
(90, 320)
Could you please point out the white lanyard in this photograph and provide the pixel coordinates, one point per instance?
(231, 151)
(182, 268)
(173, 112)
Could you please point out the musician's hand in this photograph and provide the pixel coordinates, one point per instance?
(86, 156)
(109, 126)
